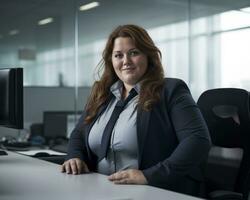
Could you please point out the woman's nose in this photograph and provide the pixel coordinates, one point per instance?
(126, 59)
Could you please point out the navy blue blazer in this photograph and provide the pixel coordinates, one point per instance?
(173, 141)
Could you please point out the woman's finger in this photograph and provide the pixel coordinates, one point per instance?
(63, 167)
(79, 166)
(67, 168)
(118, 176)
(73, 166)
(122, 181)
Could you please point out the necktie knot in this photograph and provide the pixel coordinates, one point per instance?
(123, 103)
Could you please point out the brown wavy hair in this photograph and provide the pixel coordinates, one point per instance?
(151, 83)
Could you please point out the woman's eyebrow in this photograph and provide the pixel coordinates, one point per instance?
(133, 49)
(118, 51)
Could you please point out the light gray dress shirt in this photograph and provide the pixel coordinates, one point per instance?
(123, 149)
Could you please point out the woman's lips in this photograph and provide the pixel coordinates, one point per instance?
(128, 68)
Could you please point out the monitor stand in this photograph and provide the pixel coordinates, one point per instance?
(3, 153)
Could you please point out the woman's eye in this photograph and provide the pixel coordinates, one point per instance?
(134, 53)
(118, 55)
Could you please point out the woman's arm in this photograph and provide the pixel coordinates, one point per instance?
(76, 146)
(75, 162)
(193, 137)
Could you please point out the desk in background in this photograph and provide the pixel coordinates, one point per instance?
(27, 178)
(56, 153)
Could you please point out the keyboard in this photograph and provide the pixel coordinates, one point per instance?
(16, 146)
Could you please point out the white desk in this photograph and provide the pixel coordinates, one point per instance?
(26, 178)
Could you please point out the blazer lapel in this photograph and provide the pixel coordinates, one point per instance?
(89, 126)
(143, 118)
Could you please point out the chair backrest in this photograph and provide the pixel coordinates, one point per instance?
(226, 111)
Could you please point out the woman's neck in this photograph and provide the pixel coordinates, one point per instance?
(126, 90)
(124, 93)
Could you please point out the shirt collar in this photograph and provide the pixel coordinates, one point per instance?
(117, 87)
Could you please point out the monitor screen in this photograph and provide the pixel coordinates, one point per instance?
(11, 97)
(59, 123)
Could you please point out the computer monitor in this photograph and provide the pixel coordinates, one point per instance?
(59, 124)
(11, 97)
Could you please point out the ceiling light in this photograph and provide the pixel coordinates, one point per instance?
(45, 21)
(247, 10)
(14, 32)
(89, 6)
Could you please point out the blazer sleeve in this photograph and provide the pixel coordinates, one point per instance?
(76, 146)
(192, 134)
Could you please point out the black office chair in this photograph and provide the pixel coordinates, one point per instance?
(226, 111)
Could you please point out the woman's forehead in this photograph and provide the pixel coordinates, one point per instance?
(123, 43)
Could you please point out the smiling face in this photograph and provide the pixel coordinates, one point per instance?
(129, 63)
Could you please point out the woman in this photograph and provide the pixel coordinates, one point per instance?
(159, 138)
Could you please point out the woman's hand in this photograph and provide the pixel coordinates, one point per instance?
(74, 166)
(130, 176)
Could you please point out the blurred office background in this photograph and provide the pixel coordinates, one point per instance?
(59, 44)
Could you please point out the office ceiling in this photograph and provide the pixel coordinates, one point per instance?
(96, 23)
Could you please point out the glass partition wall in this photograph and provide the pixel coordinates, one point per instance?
(219, 45)
(59, 44)
(39, 36)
